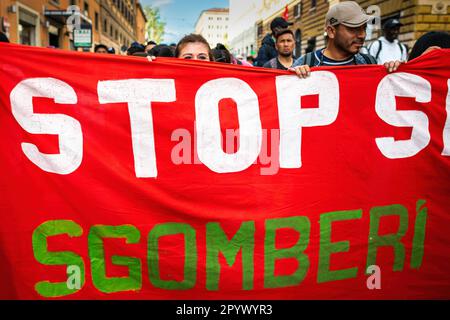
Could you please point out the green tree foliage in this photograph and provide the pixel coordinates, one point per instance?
(154, 26)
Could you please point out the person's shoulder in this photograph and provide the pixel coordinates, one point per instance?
(312, 56)
(318, 53)
(374, 45)
(299, 61)
(267, 40)
(268, 64)
(365, 58)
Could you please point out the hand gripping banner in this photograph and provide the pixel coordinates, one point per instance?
(128, 179)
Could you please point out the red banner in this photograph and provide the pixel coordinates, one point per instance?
(128, 179)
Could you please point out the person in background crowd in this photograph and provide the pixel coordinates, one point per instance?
(173, 46)
(251, 60)
(3, 37)
(100, 48)
(221, 54)
(311, 45)
(161, 50)
(387, 47)
(430, 41)
(285, 44)
(192, 47)
(242, 61)
(111, 50)
(268, 50)
(345, 25)
(135, 47)
(150, 45)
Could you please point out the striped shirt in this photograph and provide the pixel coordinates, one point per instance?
(322, 60)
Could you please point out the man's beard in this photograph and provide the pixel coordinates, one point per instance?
(285, 55)
(343, 47)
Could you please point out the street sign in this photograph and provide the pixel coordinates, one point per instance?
(82, 38)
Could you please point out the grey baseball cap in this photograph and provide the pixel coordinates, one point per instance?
(348, 13)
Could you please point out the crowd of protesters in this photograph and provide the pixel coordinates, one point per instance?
(345, 28)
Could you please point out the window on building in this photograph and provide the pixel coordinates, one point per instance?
(313, 3)
(298, 10)
(110, 31)
(53, 36)
(27, 27)
(298, 43)
(260, 30)
(105, 26)
(86, 9)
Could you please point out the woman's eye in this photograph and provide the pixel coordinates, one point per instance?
(187, 57)
(202, 57)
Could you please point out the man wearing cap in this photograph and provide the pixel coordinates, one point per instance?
(268, 50)
(387, 47)
(345, 26)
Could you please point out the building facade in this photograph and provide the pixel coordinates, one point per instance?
(119, 23)
(247, 22)
(213, 24)
(44, 23)
(242, 26)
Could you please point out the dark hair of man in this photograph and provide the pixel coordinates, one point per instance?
(221, 46)
(135, 48)
(151, 42)
(433, 38)
(3, 37)
(161, 51)
(221, 53)
(283, 32)
(221, 56)
(193, 38)
(100, 46)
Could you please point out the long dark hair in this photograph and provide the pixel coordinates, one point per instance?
(193, 38)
